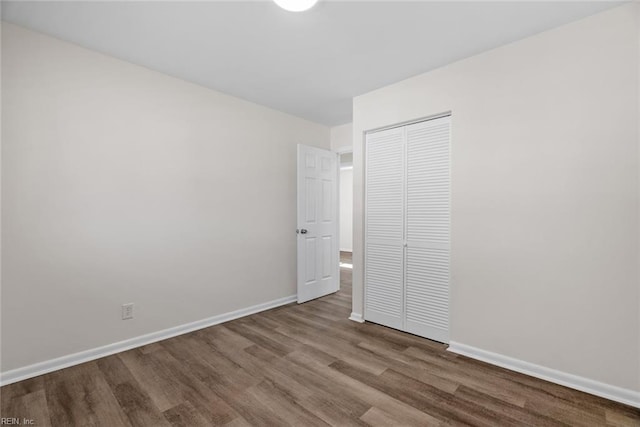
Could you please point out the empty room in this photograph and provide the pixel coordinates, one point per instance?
(320, 212)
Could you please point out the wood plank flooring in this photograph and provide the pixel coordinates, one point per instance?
(300, 365)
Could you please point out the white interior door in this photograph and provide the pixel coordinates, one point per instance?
(318, 238)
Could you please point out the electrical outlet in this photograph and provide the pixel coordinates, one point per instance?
(127, 311)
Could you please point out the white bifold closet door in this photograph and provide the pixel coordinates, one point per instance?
(407, 228)
(384, 227)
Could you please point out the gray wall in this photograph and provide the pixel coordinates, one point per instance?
(545, 194)
(121, 185)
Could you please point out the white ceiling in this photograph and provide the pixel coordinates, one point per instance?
(307, 64)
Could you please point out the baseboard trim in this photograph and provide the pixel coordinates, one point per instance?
(611, 392)
(356, 317)
(47, 366)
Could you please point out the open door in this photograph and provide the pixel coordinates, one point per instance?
(318, 245)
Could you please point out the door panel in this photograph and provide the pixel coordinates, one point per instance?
(384, 290)
(428, 229)
(428, 183)
(318, 251)
(427, 310)
(384, 248)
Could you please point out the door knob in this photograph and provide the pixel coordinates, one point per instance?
(303, 231)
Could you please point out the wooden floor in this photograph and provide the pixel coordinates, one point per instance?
(300, 365)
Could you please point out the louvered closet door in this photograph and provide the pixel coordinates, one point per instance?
(428, 229)
(384, 228)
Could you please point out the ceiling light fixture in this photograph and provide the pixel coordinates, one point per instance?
(296, 5)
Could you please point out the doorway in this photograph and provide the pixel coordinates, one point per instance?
(346, 219)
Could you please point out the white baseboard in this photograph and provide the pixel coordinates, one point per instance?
(611, 392)
(356, 317)
(47, 366)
